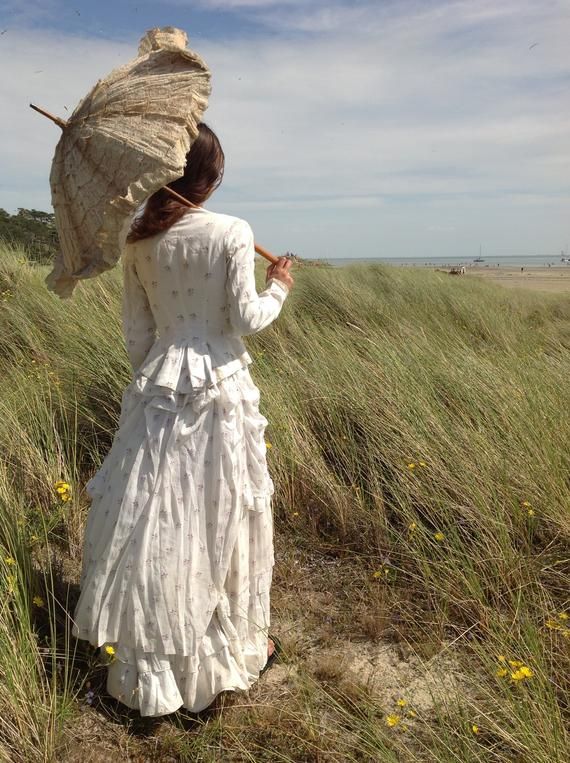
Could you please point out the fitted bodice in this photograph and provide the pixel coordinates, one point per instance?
(189, 297)
(183, 273)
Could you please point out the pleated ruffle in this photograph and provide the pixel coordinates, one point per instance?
(183, 365)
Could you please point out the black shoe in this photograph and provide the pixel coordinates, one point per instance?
(274, 656)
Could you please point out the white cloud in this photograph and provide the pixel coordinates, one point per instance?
(53, 71)
(402, 111)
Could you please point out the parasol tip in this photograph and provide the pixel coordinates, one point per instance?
(60, 122)
(166, 37)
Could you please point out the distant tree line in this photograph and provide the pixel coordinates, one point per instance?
(33, 230)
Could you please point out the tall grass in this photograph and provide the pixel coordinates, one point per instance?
(418, 424)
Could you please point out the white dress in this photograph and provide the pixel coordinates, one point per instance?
(178, 551)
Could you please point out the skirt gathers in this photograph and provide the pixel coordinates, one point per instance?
(178, 550)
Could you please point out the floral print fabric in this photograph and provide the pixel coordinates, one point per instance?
(178, 550)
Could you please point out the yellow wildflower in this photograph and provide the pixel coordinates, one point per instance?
(295, 513)
(530, 512)
(64, 490)
(411, 466)
(501, 672)
(412, 526)
(38, 601)
(516, 663)
(268, 444)
(393, 720)
(34, 538)
(522, 673)
(553, 625)
(10, 560)
(562, 616)
(502, 658)
(423, 463)
(526, 504)
(110, 649)
(439, 535)
(475, 728)
(402, 702)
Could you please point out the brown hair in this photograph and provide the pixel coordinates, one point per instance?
(203, 174)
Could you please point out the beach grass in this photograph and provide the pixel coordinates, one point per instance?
(419, 443)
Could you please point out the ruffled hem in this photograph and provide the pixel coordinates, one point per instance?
(156, 684)
(172, 686)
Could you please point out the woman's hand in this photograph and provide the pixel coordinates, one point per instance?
(280, 270)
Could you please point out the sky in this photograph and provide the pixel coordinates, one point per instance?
(351, 128)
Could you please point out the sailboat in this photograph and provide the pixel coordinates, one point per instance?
(479, 258)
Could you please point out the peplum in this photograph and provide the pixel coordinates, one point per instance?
(183, 366)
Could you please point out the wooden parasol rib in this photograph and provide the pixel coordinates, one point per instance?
(62, 123)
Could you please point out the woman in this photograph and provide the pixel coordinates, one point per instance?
(178, 550)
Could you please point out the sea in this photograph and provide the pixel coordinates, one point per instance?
(512, 261)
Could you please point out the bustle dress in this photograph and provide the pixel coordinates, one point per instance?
(178, 549)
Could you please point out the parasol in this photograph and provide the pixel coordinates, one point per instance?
(125, 140)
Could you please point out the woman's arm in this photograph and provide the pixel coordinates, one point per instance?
(249, 311)
(139, 327)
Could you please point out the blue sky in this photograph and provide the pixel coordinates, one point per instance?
(351, 127)
(122, 20)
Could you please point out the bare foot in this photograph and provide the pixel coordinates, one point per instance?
(270, 647)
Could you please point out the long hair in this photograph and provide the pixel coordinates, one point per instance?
(203, 173)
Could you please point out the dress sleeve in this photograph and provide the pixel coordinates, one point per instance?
(139, 326)
(249, 311)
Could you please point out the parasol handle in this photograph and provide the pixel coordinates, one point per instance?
(259, 249)
(62, 123)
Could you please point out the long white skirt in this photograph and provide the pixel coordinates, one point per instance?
(178, 551)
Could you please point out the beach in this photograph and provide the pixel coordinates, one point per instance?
(553, 279)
